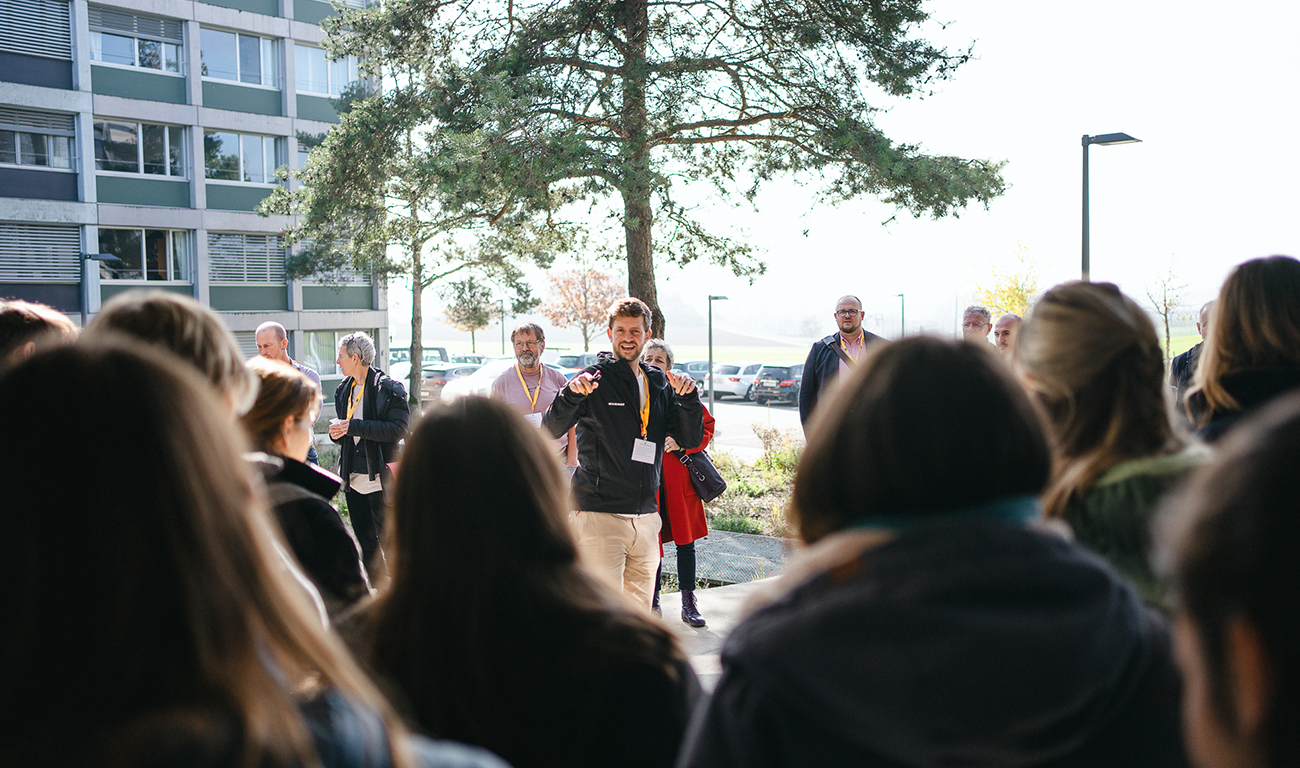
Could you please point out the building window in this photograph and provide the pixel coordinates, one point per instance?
(135, 41)
(316, 74)
(39, 253)
(36, 28)
(238, 258)
(321, 350)
(240, 157)
(36, 139)
(238, 57)
(140, 148)
(145, 254)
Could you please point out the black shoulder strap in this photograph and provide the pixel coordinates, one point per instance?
(830, 342)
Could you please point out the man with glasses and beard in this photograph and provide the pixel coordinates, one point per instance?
(833, 355)
(529, 387)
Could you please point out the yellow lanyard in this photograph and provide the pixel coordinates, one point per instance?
(845, 347)
(357, 391)
(643, 388)
(532, 396)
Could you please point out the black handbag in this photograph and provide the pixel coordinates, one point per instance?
(705, 477)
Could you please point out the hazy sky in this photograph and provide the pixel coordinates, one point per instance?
(1213, 91)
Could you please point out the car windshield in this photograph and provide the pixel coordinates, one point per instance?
(568, 361)
(796, 370)
(770, 372)
(726, 370)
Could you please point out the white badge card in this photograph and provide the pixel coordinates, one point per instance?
(643, 451)
(535, 419)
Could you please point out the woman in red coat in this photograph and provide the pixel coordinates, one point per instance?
(679, 504)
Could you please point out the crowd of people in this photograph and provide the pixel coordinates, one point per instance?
(1051, 550)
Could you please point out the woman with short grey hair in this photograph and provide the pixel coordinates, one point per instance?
(359, 343)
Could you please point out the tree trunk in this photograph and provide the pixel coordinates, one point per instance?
(638, 216)
(416, 378)
(586, 339)
(473, 345)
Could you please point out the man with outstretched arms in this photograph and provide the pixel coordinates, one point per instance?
(623, 411)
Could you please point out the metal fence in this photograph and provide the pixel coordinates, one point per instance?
(724, 557)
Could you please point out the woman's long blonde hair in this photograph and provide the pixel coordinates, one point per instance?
(147, 604)
(1091, 357)
(1255, 324)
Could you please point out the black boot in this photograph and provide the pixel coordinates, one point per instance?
(691, 611)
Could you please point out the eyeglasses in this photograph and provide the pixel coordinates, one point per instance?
(528, 344)
(972, 326)
(848, 312)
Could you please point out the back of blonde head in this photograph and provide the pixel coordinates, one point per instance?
(1091, 357)
(188, 330)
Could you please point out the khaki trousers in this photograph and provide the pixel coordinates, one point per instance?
(623, 551)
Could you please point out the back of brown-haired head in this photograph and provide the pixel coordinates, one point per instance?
(27, 326)
(921, 426)
(1228, 546)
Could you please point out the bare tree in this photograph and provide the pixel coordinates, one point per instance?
(1166, 296)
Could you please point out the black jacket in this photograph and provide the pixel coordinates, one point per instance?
(820, 369)
(969, 643)
(314, 530)
(385, 397)
(609, 420)
(1251, 389)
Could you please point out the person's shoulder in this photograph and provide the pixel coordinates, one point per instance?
(392, 385)
(503, 378)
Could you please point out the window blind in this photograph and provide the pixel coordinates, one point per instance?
(108, 20)
(36, 122)
(36, 253)
(36, 28)
(234, 258)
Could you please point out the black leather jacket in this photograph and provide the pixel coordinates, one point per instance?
(609, 420)
(386, 398)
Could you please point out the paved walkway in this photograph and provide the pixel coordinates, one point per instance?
(721, 608)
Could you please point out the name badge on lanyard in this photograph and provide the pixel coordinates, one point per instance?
(644, 451)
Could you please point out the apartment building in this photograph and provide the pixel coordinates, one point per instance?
(137, 138)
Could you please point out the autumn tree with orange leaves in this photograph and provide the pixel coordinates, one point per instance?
(579, 299)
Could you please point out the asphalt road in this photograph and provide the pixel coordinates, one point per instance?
(735, 418)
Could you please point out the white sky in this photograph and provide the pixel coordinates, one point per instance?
(1212, 90)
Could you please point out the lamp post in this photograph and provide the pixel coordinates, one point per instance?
(501, 304)
(1105, 140)
(86, 258)
(710, 379)
(902, 316)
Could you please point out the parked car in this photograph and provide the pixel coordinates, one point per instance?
(430, 355)
(477, 383)
(735, 379)
(438, 376)
(696, 369)
(578, 361)
(475, 359)
(778, 382)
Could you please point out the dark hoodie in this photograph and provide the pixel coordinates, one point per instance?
(963, 644)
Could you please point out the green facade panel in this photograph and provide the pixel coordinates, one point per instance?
(311, 11)
(338, 297)
(108, 290)
(241, 298)
(317, 108)
(145, 190)
(240, 98)
(265, 7)
(228, 197)
(137, 84)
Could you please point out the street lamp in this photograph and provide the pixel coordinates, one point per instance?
(1105, 140)
(902, 316)
(711, 387)
(86, 258)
